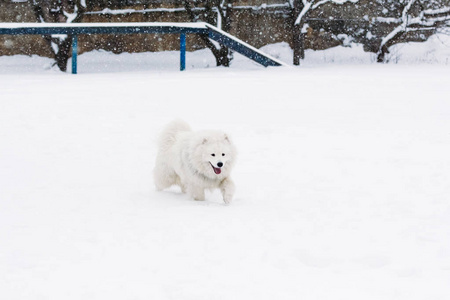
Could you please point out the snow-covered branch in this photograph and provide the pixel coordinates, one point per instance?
(425, 20)
(400, 28)
(306, 8)
(310, 5)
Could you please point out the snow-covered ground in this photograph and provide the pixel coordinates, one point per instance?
(342, 179)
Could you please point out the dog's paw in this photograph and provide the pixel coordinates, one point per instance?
(227, 200)
(227, 188)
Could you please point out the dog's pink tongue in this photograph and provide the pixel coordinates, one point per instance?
(217, 170)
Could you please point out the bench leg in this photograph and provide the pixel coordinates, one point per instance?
(182, 51)
(74, 53)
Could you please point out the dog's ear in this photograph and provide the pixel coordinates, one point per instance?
(226, 138)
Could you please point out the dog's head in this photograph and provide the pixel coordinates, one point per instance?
(214, 154)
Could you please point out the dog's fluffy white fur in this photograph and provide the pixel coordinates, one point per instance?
(195, 161)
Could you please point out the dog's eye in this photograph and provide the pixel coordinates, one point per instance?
(223, 154)
(213, 154)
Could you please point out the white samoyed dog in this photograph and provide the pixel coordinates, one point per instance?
(195, 161)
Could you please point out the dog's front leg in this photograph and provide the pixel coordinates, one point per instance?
(197, 193)
(227, 188)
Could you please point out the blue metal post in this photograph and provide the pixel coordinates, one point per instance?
(74, 53)
(182, 51)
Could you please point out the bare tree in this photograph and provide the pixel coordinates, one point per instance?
(59, 11)
(214, 12)
(417, 16)
(301, 10)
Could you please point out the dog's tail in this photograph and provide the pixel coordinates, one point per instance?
(168, 135)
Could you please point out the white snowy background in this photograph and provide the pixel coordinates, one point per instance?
(343, 178)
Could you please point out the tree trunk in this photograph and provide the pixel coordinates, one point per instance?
(299, 45)
(54, 12)
(381, 55)
(222, 54)
(64, 53)
(298, 37)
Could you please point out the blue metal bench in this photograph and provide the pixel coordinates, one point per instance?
(75, 29)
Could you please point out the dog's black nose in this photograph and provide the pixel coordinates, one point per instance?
(220, 164)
